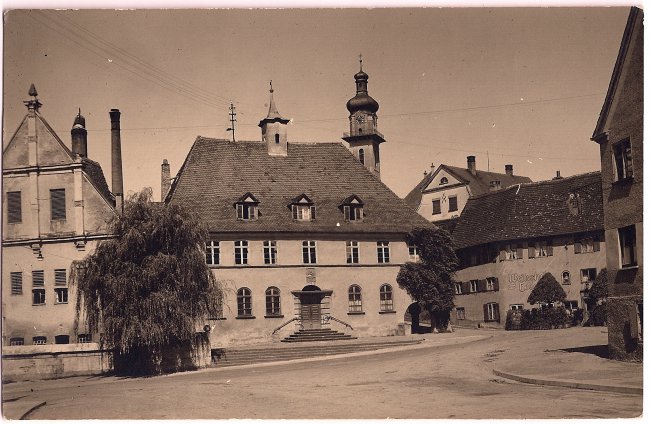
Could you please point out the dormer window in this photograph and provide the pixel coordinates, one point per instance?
(352, 208)
(444, 181)
(247, 207)
(303, 209)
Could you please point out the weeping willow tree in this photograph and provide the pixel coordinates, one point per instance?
(148, 290)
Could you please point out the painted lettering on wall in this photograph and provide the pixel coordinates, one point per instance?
(523, 282)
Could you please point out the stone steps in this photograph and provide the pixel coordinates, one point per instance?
(318, 334)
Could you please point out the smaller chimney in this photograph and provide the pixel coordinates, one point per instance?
(165, 180)
(509, 170)
(495, 185)
(471, 164)
(79, 136)
(557, 176)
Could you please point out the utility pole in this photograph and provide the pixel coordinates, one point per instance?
(232, 121)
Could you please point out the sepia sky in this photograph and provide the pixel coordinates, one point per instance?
(525, 85)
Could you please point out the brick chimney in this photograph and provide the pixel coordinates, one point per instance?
(557, 176)
(495, 185)
(165, 180)
(79, 136)
(116, 160)
(471, 164)
(509, 170)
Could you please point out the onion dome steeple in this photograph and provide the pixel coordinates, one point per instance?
(362, 101)
(79, 136)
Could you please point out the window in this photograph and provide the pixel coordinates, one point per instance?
(383, 252)
(587, 275)
(60, 277)
(38, 296)
(627, 242)
(241, 252)
(473, 286)
(212, 252)
(246, 211)
(352, 252)
(537, 249)
(244, 303)
(277, 139)
(61, 295)
(16, 283)
(622, 163)
(270, 252)
(517, 307)
(571, 305)
(490, 284)
(62, 339)
(57, 204)
(14, 207)
(385, 298)
(458, 288)
(453, 203)
(586, 245)
(16, 341)
(444, 181)
(353, 212)
(272, 301)
(39, 340)
(354, 299)
(460, 313)
(491, 312)
(414, 255)
(435, 206)
(566, 277)
(308, 252)
(362, 157)
(38, 287)
(304, 212)
(84, 338)
(512, 251)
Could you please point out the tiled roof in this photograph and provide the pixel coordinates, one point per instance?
(531, 210)
(218, 172)
(478, 184)
(96, 176)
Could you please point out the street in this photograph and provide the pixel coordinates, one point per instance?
(427, 382)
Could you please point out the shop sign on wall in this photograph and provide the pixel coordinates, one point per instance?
(523, 282)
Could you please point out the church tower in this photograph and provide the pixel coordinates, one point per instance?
(274, 129)
(364, 139)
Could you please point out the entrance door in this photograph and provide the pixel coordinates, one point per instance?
(310, 311)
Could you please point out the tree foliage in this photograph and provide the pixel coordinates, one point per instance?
(547, 290)
(598, 290)
(430, 280)
(149, 287)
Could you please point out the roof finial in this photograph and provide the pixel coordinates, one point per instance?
(33, 104)
(360, 62)
(271, 84)
(32, 91)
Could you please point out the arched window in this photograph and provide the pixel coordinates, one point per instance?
(354, 299)
(385, 298)
(444, 181)
(272, 301)
(362, 157)
(244, 302)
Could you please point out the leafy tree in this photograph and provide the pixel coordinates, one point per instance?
(547, 290)
(598, 290)
(430, 280)
(148, 289)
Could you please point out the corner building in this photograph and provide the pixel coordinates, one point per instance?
(301, 235)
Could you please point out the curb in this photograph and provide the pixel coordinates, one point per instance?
(32, 409)
(570, 384)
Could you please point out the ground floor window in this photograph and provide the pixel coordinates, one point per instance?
(460, 313)
(244, 302)
(517, 306)
(491, 312)
(39, 340)
(16, 341)
(61, 295)
(272, 301)
(571, 305)
(386, 298)
(354, 299)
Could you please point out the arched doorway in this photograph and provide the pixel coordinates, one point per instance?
(419, 318)
(311, 297)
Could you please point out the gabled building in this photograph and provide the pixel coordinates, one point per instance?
(56, 206)
(508, 239)
(619, 131)
(301, 235)
(443, 193)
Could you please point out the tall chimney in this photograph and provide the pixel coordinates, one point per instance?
(79, 136)
(471, 164)
(165, 180)
(509, 170)
(116, 160)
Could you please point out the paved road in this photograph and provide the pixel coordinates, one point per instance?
(429, 382)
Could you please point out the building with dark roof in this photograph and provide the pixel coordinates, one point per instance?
(619, 132)
(442, 194)
(506, 240)
(302, 236)
(56, 206)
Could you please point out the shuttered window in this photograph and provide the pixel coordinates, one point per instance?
(57, 204)
(38, 279)
(14, 207)
(60, 277)
(16, 283)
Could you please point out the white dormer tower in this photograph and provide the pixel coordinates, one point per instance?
(274, 129)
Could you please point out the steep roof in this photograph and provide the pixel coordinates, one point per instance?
(478, 184)
(96, 176)
(618, 68)
(531, 210)
(218, 172)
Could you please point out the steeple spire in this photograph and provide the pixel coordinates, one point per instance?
(274, 129)
(273, 110)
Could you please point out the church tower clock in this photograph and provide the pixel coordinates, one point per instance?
(364, 139)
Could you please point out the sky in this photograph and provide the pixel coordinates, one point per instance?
(520, 86)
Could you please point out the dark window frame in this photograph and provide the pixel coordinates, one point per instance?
(57, 204)
(14, 207)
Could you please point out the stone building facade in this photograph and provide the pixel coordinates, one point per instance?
(619, 131)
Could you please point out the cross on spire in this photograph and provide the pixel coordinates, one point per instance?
(360, 62)
(271, 84)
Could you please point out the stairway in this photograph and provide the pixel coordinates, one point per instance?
(253, 355)
(316, 335)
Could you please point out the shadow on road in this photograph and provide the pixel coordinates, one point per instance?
(601, 351)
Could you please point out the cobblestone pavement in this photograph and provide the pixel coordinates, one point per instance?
(435, 380)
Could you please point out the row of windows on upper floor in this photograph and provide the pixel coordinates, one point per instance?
(309, 252)
(522, 250)
(58, 339)
(302, 208)
(15, 210)
(452, 204)
(273, 304)
(38, 286)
